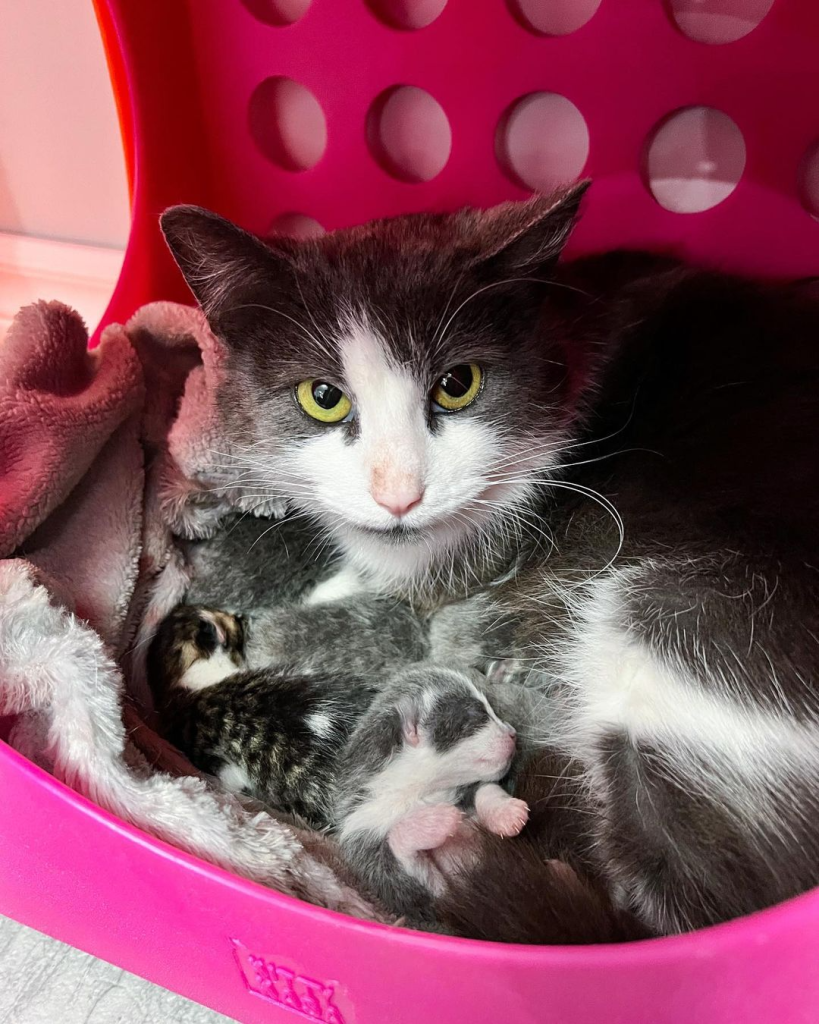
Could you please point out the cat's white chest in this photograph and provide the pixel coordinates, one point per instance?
(615, 683)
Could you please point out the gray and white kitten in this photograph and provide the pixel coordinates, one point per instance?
(611, 463)
(390, 770)
(429, 748)
(279, 576)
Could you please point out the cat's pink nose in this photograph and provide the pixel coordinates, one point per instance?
(398, 502)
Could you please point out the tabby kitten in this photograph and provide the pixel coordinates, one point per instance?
(604, 471)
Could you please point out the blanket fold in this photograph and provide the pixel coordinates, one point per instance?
(106, 456)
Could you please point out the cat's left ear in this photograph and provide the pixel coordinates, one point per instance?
(521, 237)
(218, 259)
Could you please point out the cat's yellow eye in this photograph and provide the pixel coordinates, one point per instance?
(458, 387)
(324, 402)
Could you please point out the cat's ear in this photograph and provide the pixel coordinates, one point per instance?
(521, 237)
(217, 258)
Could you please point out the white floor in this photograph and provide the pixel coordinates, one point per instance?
(45, 982)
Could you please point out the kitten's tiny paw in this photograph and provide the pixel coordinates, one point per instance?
(506, 818)
(189, 509)
(267, 508)
(424, 829)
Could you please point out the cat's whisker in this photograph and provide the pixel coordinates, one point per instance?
(505, 281)
(278, 522)
(559, 448)
(584, 462)
(608, 507)
(279, 312)
(306, 306)
(435, 342)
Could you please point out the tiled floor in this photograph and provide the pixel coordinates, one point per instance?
(45, 982)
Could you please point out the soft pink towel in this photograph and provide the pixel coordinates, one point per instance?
(104, 455)
(59, 404)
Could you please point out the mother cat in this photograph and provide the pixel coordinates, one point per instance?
(605, 471)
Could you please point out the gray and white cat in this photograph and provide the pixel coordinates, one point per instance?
(604, 472)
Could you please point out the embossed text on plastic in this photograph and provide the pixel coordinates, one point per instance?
(308, 997)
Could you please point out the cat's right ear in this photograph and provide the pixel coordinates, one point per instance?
(518, 238)
(218, 259)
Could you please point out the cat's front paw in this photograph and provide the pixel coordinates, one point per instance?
(190, 509)
(509, 818)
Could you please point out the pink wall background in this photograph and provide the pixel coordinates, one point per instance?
(61, 167)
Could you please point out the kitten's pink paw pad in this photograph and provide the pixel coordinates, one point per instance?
(424, 829)
(506, 818)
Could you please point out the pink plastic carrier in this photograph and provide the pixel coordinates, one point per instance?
(698, 121)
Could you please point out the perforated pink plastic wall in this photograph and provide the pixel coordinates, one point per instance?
(696, 119)
(699, 122)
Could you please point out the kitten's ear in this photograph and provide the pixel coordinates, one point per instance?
(216, 257)
(521, 237)
(409, 714)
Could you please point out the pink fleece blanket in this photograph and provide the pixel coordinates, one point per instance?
(104, 455)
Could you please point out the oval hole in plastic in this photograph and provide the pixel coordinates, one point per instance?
(296, 225)
(554, 17)
(407, 14)
(287, 123)
(277, 12)
(542, 141)
(409, 133)
(717, 21)
(694, 160)
(809, 181)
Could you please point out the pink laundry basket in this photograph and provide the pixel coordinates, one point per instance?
(699, 121)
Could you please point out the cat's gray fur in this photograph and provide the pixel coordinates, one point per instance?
(252, 563)
(678, 667)
(264, 570)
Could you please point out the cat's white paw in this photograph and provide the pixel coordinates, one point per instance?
(508, 819)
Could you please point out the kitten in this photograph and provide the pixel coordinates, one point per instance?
(386, 769)
(548, 894)
(280, 576)
(429, 750)
(611, 465)
(273, 734)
